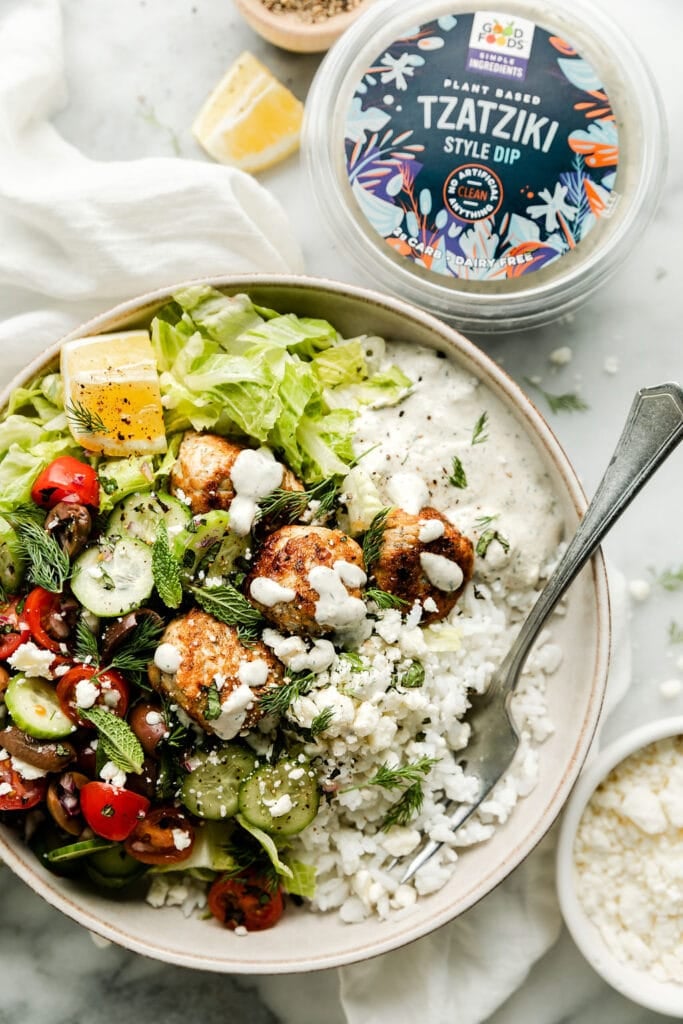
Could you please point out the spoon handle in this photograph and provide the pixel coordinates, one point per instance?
(653, 429)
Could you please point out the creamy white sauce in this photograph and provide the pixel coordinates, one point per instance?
(269, 592)
(253, 673)
(293, 652)
(505, 476)
(233, 712)
(351, 575)
(336, 608)
(255, 473)
(441, 572)
(431, 529)
(167, 659)
(408, 491)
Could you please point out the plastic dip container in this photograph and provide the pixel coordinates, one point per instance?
(493, 164)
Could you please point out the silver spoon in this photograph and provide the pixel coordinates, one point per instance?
(653, 429)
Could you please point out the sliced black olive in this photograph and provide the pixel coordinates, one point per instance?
(120, 630)
(70, 525)
(48, 756)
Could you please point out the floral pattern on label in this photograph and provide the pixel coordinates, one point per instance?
(481, 147)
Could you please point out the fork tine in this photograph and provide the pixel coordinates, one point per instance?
(458, 818)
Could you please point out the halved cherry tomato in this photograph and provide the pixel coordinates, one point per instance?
(110, 811)
(164, 836)
(247, 900)
(22, 793)
(40, 604)
(114, 692)
(14, 630)
(67, 479)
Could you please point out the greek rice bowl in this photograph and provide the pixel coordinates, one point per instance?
(372, 611)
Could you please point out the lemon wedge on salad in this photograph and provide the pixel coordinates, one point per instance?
(250, 120)
(111, 394)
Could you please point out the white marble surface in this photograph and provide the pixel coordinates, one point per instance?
(137, 73)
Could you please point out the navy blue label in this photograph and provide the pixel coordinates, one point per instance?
(481, 147)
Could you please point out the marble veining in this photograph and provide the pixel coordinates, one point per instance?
(137, 72)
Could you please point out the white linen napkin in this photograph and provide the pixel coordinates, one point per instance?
(79, 235)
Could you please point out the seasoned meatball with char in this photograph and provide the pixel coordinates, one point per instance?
(423, 556)
(308, 580)
(204, 651)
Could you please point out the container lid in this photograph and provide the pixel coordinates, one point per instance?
(493, 164)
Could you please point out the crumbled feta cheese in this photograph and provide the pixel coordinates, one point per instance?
(561, 356)
(86, 693)
(181, 838)
(240, 931)
(441, 572)
(32, 660)
(5, 788)
(269, 593)
(639, 590)
(670, 688)
(253, 673)
(611, 365)
(27, 771)
(430, 605)
(277, 808)
(153, 718)
(167, 659)
(113, 775)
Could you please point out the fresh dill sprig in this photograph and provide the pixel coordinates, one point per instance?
(568, 402)
(137, 650)
(277, 700)
(408, 777)
(483, 521)
(487, 538)
(292, 505)
(322, 721)
(412, 678)
(48, 564)
(675, 633)
(458, 477)
(83, 420)
(383, 599)
(85, 646)
(671, 579)
(479, 431)
(405, 808)
(228, 605)
(374, 537)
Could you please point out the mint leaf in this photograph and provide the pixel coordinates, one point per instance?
(118, 741)
(213, 703)
(166, 570)
(486, 539)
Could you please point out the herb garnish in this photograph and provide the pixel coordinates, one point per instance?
(85, 646)
(83, 420)
(166, 570)
(277, 700)
(137, 650)
(322, 721)
(409, 776)
(479, 434)
(675, 633)
(568, 402)
(412, 678)
(48, 564)
(291, 505)
(458, 477)
(116, 739)
(671, 579)
(374, 537)
(213, 702)
(487, 538)
(354, 659)
(383, 599)
(228, 605)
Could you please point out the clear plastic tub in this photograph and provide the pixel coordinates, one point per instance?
(493, 164)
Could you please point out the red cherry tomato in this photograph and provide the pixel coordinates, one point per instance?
(23, 793)
(111, 812)
(164, 836)
(67, 479)
(40, 604)
(114, 692)
(247, 900)
(14, 630)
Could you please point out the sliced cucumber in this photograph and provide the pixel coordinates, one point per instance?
(12, 563)
(193, 545)
(274, 786)
(112, 868)
(74, 851)
(35, 708)
(211, 789)
(113, 581)
(139, 516)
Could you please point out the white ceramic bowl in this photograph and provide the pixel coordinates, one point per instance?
(304, 941)
(640, 986)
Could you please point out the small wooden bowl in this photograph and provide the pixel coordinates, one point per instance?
(290, 32)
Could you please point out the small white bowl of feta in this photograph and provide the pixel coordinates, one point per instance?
(620, 865)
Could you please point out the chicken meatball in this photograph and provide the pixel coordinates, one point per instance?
(202, 473)
(197, 651)
(423, 557)
(308, 579)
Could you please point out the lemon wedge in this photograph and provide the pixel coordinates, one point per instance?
(250, 120)
(111, 394)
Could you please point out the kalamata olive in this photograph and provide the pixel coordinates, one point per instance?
(149, 725)
(120, 630)
(70, 525)
(145, 784)
(4, 679)
(48, 756)
(63, 802)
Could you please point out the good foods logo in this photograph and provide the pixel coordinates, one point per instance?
(497, 33)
